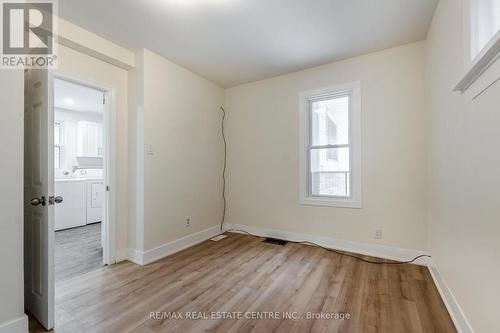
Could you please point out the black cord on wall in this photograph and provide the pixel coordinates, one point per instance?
(223, 171)
(380, 262)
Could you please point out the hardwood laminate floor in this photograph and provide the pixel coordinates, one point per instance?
(191, 290)
(77, 251)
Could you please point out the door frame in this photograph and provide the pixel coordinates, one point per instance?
(109, 162)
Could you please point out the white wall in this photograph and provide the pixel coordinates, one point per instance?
(263, 169)
(69, 122)
(86, 42)
(183, 177)
(80, 66)
(11, 199)
(135, 154)
(464, 177)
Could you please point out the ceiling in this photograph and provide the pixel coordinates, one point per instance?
(236, 41)
(71, 96)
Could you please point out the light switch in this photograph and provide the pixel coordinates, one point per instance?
(149, 149)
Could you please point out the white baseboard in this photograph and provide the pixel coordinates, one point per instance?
(375, 250)
(135, 256)
(149, 256)
(457, 315)
(18, 325)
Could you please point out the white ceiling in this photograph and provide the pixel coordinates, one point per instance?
(236, 41)
(71, 96)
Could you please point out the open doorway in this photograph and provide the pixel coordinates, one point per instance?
(79, 134)
(68, 177)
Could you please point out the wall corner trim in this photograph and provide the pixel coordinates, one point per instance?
(149, 256)
(457, 315)
(17, 325)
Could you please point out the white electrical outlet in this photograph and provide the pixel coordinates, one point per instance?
(188, 221)
(378, 234)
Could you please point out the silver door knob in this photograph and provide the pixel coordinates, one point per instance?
(58, 199)
(38, 201)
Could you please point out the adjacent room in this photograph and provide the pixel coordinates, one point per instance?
(250, 166)
(78, 177)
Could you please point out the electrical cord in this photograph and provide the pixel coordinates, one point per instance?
(294, 242)
(339, 252)
(223, 170)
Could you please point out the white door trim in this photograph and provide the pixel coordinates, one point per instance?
(109, 163)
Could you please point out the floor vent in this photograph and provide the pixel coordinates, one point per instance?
(275, 241)
(218, 238)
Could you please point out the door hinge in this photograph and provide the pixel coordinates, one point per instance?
(103, 98)
(107, 188)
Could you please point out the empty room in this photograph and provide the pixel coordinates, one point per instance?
(250, 166)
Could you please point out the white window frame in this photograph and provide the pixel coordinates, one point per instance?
(482, 66)
(473, 20)
(306, 97)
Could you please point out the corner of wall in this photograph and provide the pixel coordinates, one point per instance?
(135, 243)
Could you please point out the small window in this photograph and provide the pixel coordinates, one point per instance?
(485, 23)
(57, 145)
(482, 47)
(330, 146)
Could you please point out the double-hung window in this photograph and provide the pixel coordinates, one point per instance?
(330, 163)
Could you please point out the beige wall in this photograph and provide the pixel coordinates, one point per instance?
(84, 41)
(135, 229)
(263, 175)
(183, 177)
(11, 197)
(86, 68)
(464, 177)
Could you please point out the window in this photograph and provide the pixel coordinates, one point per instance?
(483, 50)
(57, 145)
(331, 146)
(485, 23)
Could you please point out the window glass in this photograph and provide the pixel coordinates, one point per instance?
(330, 177)
(330, 121)
(485, 20)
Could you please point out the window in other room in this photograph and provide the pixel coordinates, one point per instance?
(57, 145)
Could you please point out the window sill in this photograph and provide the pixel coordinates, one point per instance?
(483, 71)
(334, 202)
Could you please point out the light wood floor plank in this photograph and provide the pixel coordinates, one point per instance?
(242, 274)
